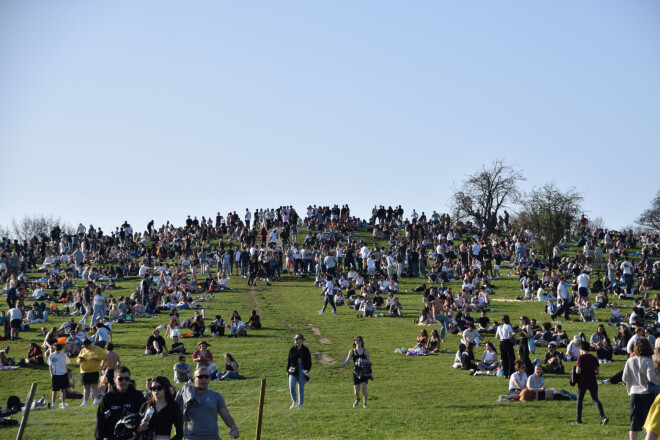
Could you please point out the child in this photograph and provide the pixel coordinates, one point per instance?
(182, 371)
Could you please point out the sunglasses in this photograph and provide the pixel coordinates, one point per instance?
(156, 388)
(123, 378)
(202, 376)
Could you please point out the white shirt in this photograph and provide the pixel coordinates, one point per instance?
(58, 361)
(583, 280)
(626, 267)
(522, 380)
(504, 332)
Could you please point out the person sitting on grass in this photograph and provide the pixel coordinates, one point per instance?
(433, 345)
(395, 309)
(254, 322)
(182, 371)
(231, 369)
(217, 326)
(177, 346)
(467, 358)
(155, 345)
(237, 327)
(368, 309)
(489, 358)
(518, 380)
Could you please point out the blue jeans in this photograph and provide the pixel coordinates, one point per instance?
(300, 378)
(99, 314)
(230, 375)
(329, 299)
(442, 319)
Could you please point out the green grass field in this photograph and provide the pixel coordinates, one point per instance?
(411, 397)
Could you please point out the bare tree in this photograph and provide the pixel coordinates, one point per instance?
(650, 218)
(550, 213)
(483, 194)
(30, 226)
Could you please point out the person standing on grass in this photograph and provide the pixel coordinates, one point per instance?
(118, 403)
(588, 368)
(298, 366)
(505, 334)
(329, 292)
(166, 412)
(89, 359)
(639, 375)
(112, 364)
(201, 406)
(59, 377)
(361, 370)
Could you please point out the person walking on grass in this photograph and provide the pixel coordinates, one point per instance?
(298, 366)
(201, 406)
(640, 378)
(329, 292)
(361, 369)
(588, 368)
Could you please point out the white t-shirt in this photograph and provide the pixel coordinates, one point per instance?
(504, 332)
(58, 361)
(517, 377)
(583, 280)
(626, 267)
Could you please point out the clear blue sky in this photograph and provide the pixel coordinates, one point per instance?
(113, 111)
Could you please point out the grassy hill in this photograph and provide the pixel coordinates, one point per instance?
(411, 397)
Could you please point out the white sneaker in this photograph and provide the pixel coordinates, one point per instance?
(299, 406)
(64, 405)
(85, 403)
(321, 312)
(294, 405)
(356, 403)
(95, 402)
(364, 406)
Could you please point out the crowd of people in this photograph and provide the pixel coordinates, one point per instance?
(181, 267)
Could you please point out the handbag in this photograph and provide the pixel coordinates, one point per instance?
(531, 345)
(574, 377)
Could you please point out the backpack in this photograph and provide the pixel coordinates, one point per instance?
(362, 369)
(574, 377)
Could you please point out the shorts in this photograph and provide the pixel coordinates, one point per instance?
(357, 381)
(583, 292)
(90, 378)
(59, 382)
(16, 323)
(540, 395)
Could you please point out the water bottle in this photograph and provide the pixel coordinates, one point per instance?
(148, 414)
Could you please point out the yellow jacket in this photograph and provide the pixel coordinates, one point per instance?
(88, 365)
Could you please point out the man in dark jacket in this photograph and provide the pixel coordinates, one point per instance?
(119, 402)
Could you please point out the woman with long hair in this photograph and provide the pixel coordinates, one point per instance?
(488, 358)
(505, 334)
(231, 368)
(639, 375)
(165, 411)
(172, 329)
(361, 369)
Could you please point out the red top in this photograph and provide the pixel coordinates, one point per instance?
(588, 364)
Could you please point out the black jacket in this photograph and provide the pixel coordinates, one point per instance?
(304, 354)
(113, 407)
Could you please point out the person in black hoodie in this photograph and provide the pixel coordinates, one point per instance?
(298, 366)
(119, 402)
